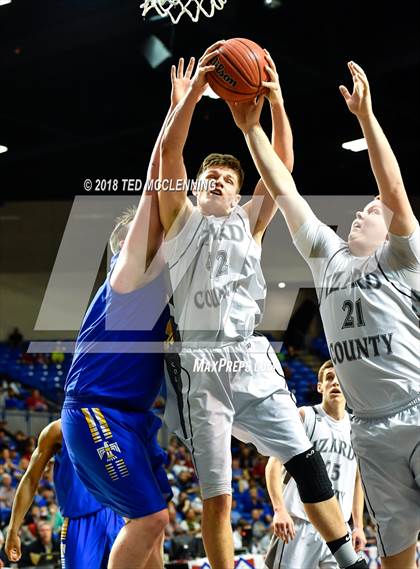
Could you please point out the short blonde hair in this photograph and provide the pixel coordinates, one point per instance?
(325, 366)
(121, 228)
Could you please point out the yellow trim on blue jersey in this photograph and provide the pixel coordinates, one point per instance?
(111, 471)
(102, 422)
(63, 542)
(122, 467)
(92, 425)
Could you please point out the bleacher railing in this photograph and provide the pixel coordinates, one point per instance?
(30, 422)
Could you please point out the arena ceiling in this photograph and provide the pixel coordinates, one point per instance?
(79, 100)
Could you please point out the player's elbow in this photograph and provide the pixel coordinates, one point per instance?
(271, 463)
(169, 149)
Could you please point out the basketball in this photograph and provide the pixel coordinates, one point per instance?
(240, 69)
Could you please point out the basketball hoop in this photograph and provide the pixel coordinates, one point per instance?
(175, 9)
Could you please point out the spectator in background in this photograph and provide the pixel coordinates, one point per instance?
(174, 487)
(246, 456)
(236, 514)
(3, 397)
(30, 446)
(370, 532)
(237, 470)
(33, 520)
(237, 537)
(21, 468)
(20, 442)
(258, 468)
(6, 461)
(4, 439)
(15, 339)
(45, 550)
(258, 525)
(184, 503)
(35, 402)
(55, 517)
(191, 523)
(172, 526)
(251, 500)
(7, 493)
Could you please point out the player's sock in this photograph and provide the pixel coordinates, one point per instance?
(343, 551)
(361, 564)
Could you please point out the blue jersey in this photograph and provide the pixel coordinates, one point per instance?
(111, 366)
(72, 497)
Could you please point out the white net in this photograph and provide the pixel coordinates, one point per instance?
(175, 9)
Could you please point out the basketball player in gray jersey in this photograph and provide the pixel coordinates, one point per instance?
(368, 298)
(224, 379)
(296, 544)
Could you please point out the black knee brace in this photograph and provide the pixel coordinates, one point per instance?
(308, 470)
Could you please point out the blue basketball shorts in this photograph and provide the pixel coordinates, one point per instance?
(117, 457)
(86, 541)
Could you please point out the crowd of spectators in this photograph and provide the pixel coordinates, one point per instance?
(14, 395)
(251, 509)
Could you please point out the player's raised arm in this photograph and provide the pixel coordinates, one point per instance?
(138, 263)
(273, 172)
(48, 444)
(262, 208)
(283, 525)
(382, 159)
(173, 200)
(358, 534)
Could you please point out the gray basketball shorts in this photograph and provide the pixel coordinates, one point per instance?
(388, 453)
(306, 551)
(240, 390)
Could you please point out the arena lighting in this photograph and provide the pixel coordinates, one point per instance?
(282, 285)
(355, 145)
(3, 148)
(272, 4)
(155, 51)
(4, 2)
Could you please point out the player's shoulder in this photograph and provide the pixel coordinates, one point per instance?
(183, 237)
(307, 412)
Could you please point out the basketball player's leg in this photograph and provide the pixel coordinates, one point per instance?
(303, 552)
(406, 559)
(389, 462)
(200, 412)
(85, 540)
(283, 436)
(216, 529)
(116, 456)
(138, 543)
(156, 560)
(266, 415)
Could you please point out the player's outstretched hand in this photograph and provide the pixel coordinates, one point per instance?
(359, 101)
(180, 80)
(199, 81)
(247, 114)
(283, 526)
(274, 94)
(359, 539)
(12, 547)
